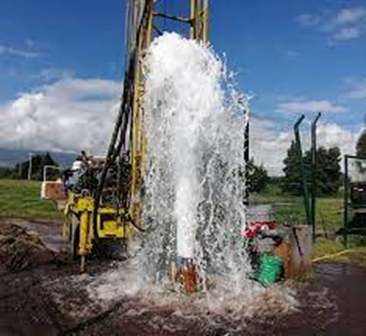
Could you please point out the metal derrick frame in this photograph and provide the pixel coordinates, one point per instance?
(129, 135)
(198, 22)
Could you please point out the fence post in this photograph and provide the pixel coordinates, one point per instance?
(313, 173)
(346, 189)
(246, 158)
(302, 169)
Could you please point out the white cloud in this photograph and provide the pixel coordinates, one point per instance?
(308, 20)
(347, 33)
(6, 50)
(51, 74)
(349, 16)
(74, 114)
(303, 106)
(69, 115)
(358, 90)
(292, 53)
(269, 147)
(331, 135)
(345, 24)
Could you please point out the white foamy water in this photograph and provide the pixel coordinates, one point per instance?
(194, 121)
(182, 99)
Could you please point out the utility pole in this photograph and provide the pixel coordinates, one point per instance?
(30, 167)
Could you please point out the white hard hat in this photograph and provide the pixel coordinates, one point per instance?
(77, 165)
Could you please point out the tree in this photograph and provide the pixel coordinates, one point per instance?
(328, 173)
(361, 145)
(20, 171)
(7, 173)
(258, 177)
(39, 161)
(292, 170)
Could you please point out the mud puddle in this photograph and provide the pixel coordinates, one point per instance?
(42, 302)
(52, 299)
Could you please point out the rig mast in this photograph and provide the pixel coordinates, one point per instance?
(146, 20)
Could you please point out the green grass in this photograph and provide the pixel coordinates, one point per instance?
(325, 247)
(290, 209)
(356, 251)
(329, 218)
(21, 199)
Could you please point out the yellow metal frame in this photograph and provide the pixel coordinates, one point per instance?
(198, 22)
(83, 207)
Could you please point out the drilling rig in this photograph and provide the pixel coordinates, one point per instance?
(102, 198)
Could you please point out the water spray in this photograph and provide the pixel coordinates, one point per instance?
(195, 182)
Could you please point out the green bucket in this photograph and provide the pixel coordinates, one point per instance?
(270, 267)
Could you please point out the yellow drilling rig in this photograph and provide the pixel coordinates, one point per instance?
(102, 198)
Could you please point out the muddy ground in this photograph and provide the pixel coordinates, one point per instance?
(37, 297)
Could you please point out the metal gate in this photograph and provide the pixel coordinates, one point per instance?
(354, 196)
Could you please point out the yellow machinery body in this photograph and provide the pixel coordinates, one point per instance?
(79, 226)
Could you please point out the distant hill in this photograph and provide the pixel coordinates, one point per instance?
(10, 157)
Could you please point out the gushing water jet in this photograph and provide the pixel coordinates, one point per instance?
(195, 182)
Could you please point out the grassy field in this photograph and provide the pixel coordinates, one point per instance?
(21, 199)
(290, 209)
(355, 253)
(329, 218)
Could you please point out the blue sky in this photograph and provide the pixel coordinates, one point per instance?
(292, 56)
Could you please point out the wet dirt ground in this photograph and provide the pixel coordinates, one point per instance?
(31, 303)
